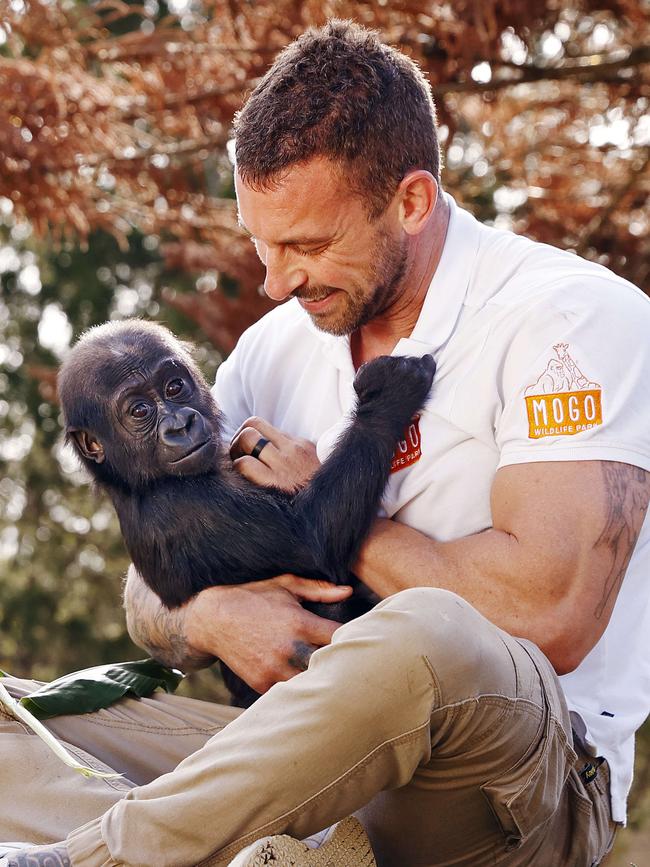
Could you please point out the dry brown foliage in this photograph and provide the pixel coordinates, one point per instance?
(112, 118)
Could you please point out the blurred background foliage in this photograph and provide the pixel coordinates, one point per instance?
(116, 199)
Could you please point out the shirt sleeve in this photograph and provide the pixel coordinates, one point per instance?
(576, 380)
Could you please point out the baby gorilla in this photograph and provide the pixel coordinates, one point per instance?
(143, 421)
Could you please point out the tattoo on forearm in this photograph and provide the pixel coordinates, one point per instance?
(159, 630)
(628, 492)
(55, 856)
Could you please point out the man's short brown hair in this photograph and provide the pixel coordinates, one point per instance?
(339, 93)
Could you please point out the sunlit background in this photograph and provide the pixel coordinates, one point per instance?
(116, 200)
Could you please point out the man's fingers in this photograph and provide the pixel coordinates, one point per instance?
(259, 427)
(314, 591)
(255, 471)
(263, 426)
(317, 630)
(292, 460)
(245, 442)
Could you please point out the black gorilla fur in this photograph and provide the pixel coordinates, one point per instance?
(143, 421)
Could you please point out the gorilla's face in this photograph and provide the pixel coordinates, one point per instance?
(142, 411)
(167, 418)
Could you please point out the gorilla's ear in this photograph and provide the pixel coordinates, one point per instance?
(89, 446)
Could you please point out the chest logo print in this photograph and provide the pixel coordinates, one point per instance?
(409, 449)
(563, 401)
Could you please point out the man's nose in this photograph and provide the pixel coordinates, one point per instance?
(283, 275)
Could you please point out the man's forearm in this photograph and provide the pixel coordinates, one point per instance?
(160, 631)
(489, 572)
(396, 557)
(551, 568)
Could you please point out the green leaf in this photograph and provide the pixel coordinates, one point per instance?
(99, 687)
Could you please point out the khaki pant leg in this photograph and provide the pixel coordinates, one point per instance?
(421, 700)
(42, 800)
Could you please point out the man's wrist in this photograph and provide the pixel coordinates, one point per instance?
(201, 640)
(371, 563)
(161, 631)
(175, 647)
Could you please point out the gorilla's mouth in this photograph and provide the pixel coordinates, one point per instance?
(193, 451)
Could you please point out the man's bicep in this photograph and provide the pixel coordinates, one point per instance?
(577, 523)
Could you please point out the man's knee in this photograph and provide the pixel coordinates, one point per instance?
(433, 622)
(466, 654)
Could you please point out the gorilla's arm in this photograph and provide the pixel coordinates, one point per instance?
(341, 501)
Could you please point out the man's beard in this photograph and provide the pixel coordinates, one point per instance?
(361, 305)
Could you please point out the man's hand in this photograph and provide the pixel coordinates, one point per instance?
(284, 462)
(260, 630)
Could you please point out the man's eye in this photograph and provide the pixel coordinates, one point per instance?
(174, 387)
(140, 410)
(314, 251)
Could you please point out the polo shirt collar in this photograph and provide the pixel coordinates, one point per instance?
(448, 288)
(444, 300)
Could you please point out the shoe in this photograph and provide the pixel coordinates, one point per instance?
(344, 845)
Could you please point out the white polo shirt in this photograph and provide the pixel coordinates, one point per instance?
(541, 356)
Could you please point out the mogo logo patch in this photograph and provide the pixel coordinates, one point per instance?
(408, 450)
(563, 401)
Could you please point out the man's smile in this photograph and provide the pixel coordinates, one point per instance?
(318, 303)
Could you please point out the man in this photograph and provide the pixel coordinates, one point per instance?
(512, 551)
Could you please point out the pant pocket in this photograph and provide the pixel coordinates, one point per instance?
(584, 840)
(527, 795)
(592, 827)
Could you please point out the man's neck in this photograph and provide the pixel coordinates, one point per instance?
(381, 334)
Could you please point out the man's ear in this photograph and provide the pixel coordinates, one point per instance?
(418, 193)
(89, 446)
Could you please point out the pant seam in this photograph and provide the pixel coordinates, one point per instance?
(495, 699)
(437, 689)
(119, 785)
(127, 725)
(153, 729)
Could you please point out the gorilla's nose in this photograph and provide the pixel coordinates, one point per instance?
(178, 427)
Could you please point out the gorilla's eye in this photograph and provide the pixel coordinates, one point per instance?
(139, 410)
(174, 387)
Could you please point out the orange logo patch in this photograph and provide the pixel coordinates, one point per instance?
(408, 450)
(562, 402)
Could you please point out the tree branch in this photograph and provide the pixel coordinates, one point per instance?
(598, 68)
(603, 215)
